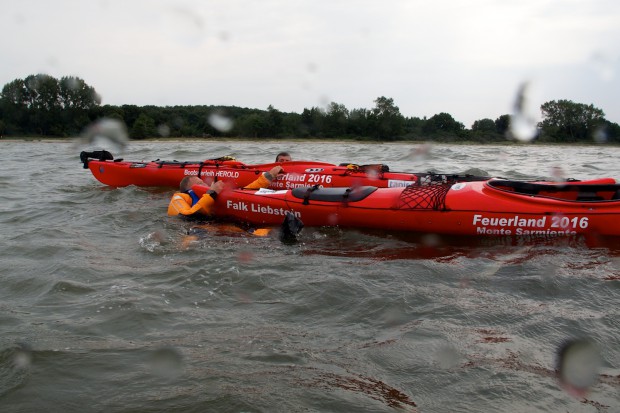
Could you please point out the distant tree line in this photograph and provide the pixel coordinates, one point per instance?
(41, 105)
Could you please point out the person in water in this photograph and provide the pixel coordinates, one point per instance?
(187, 203)
(283, 157)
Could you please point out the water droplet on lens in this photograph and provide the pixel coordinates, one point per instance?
(332, 219)
(106, 131)
(22, 358)
(220, 122)
(73, 83)
(600, 135)
(557, 173)
(224, 36)
(373, 174)
(163, 130)
(166, 362)
(431, 240)
(603, 66)
(185, 26)
(447, 357)
(523, 122)
(178, 122)
(324, 102)
(245, 256)
(311, 67)
(578, 366)
(522, 128)
(421, 152)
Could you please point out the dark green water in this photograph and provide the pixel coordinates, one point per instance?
(103, 308)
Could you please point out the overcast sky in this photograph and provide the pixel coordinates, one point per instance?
(464, 57)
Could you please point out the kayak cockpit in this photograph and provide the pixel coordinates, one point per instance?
(346, 194)
(569, 191)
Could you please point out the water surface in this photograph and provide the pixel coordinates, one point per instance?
(106, 307)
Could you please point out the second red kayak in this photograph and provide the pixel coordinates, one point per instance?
(120, 173)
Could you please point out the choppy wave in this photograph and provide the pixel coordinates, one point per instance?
(108, 306)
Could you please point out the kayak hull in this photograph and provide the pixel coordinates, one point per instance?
(120, 173)
(237, 174)
(478, 208)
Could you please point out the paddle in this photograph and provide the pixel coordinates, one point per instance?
(291, 227)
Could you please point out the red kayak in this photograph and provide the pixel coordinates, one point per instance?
(481, 208)
(119, 173)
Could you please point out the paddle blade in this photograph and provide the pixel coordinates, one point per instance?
(290, 228)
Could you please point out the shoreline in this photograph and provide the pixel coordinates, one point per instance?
(314, 140)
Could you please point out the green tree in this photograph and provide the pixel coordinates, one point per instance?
(143, 127)
(109, 111)
(312, 121)
(358, 123)
(291, 124)
(42, 92)
(78, 101)
(566, 121)
(13, 106)
(414, 128)
(336, 118)
(14, 93)
(502, 124)
(485, 130)
(74, 93)
(273, 122)
(386, 119)
(251, 126)
(443, 124)
(483, 125)
(609, 132)
(130, 113)
(42, 105)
